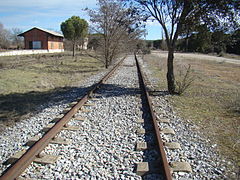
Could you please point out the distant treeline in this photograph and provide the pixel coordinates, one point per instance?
(204, 42)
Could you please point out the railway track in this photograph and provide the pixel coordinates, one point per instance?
(149, 148)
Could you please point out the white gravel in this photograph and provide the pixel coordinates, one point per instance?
(13, 138)
(103, 148)
(196, 149)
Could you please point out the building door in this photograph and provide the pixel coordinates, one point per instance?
(30, 45)
(36, 45)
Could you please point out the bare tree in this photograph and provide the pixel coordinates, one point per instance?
(17, 40)
(117, 25)
(4, 37)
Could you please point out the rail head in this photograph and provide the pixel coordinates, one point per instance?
(164, 162)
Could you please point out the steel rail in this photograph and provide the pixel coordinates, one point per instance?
(164, 162)
(16, 169)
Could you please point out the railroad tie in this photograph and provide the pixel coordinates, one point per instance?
(55, 140)
(141, 131)
(44, 159)
(167, 131)
(67, 110)
(144, 168)
(93, 99)
(172, 145)
(141, 146)
(57, 119)
(89, 104)
(84, 110)
(67, 127)
(140, 121)
(79, 118)
(163, 120)
(180, 167)
(73, 104)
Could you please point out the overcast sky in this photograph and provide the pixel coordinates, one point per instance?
(49, 14)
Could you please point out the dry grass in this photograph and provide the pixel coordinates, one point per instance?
(28, 81)
(212, 102)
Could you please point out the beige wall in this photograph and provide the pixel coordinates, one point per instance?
(55, 45)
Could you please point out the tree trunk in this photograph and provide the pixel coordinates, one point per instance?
(170, 72)
(106, 53)
(106, 62)
(186, 40)
(106, 65)
(73, 49)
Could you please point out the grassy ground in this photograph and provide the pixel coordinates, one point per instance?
(212, 102)
(28, 81)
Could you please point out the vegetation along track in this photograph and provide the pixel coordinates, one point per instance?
(115, 152)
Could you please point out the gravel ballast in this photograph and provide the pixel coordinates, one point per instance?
(13, 138)
(104, 147)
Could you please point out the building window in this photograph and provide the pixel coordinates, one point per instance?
(36, 45)
(52, 45)
(60, 45)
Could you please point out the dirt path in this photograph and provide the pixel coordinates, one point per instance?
(195, 56)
